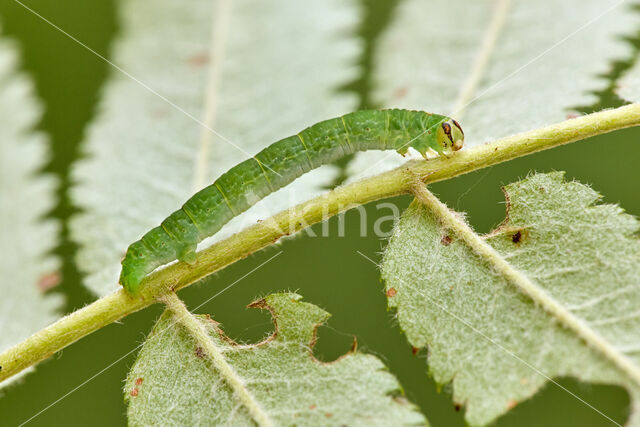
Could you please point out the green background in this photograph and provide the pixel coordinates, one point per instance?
(88, 376)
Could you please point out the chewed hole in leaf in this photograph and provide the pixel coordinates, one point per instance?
(279, 373)
(576, 252)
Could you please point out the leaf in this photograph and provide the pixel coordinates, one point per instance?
(261, 72)
(520, 64)
(173, 382)
(629, 86)
(26, 195)
(490, 340)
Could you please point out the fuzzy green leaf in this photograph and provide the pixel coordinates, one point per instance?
(26, 195)
(173, 381)
(520, 64)
(583, 255)
(255, 72)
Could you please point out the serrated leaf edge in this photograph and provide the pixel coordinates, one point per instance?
(452, 221)
(196, 329)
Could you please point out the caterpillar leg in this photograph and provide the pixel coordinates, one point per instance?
(131, 280)
(184, 234)
(430, 154)
(188, 255)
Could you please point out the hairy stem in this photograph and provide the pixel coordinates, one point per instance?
(537, 294)
(398, 181)
(200, 334)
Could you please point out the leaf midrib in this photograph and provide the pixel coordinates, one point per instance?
(217, 51)
(517, 278)
(481, 62)
(223, 368)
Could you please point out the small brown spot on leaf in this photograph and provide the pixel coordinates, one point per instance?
(159, 113)
(511, 404)
(312, 407)
(457, 407)
(199, 353)
(328, 414)
(49, 281)
(401, 92)
(391, 292)
(134, 392)
(139, 381)
(516, 237)
(542, 189)
(519, 236)
(198, 60)
(524, 380)
(446, 240)
(414, 350)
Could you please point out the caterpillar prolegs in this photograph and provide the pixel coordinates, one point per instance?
(276, 166)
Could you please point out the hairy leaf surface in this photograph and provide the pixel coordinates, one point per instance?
(495, 345)
(498, 66)
(26, 239)
(173, 381)
(253, 71)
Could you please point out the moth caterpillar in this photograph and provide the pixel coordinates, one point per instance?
(276, 166)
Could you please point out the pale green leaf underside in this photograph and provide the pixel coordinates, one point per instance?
(548, 57)
(253, 71)
(585, 256)
(173, 383)
(628, 87)
(25, 197)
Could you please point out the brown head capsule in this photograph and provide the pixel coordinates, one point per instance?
(450, 136)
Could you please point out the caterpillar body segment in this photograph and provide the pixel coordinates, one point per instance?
(276, 166)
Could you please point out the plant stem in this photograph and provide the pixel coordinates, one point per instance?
(398, 181)
(198, 332)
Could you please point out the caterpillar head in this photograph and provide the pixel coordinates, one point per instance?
(450, 136)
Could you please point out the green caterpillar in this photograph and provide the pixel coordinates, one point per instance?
(276, 166)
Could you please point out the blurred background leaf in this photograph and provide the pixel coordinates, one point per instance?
(326, 269)
(27, 268)
(629, 86)
(498, 66)
(261, 72)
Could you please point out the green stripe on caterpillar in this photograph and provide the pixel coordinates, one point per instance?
(276, 166)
